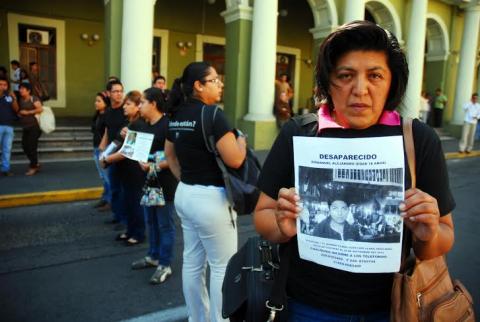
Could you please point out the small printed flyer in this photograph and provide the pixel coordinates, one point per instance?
(350, 191)
(137, 145)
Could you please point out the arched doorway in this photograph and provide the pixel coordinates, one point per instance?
(436, 54)
(383, 13)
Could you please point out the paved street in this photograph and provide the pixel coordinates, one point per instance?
(60, 262)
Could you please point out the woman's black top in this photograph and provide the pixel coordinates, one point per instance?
(185, 132)
(336, 290)
(98, 128)
(165, 177)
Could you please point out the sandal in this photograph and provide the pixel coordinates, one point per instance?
(31, 172)
(145, 262)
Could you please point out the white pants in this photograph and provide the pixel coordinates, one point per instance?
(468, 137)
(208, 235)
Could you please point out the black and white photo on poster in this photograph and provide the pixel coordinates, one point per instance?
(351, 204)
(350, 197)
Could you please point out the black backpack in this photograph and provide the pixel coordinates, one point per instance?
(241, 183)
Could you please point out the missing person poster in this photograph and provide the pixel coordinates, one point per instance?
(350, 190)
(137, 145)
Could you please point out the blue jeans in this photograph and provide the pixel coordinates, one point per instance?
(103, 173)
(299, 312)
(6, 139)
(161, 232)
(117, 194)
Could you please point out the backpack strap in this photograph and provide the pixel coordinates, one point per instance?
(207, 131)
(207, 128)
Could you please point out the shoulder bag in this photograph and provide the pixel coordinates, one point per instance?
(423, 289)
(46, 120)
(254, 286)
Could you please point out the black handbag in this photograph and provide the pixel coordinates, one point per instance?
(254, 284)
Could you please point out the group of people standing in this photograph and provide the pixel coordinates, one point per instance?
(21, 99)
(189, 178)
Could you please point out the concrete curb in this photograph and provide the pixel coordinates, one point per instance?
(37, 198)
(457, 155)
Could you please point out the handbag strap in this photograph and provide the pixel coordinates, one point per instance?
(410, 152)
(278, 293)
(410, 149)
(207, 125)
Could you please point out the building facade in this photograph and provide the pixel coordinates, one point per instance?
(79, 44)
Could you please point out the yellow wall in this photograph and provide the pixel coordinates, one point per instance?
(84, 67)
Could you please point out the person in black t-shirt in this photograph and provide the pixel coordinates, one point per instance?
(130, 176)
(362, 74)
(159, 219)
(98, 129)
(115, 120)
(200, 199)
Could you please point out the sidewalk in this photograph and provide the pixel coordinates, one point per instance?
(78, 180)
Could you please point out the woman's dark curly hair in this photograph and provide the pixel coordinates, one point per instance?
(362, 36)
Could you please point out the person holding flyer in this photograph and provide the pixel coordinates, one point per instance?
(131, 176)
(362, 74)
(159, 219)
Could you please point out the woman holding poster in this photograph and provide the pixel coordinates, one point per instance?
(131, 177)
(362, 75)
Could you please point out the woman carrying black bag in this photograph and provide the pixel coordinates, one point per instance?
(200, 199)
(362, 73)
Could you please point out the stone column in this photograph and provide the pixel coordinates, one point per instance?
(262, 62)
(466, 68)
(415, 55)
(113, 37)
(137, 35)
(238, 40)
(354, 10)
(259, 123)
(478, 79)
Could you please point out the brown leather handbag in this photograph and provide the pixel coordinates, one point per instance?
(423, 290)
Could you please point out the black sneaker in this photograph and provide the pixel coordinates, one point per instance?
(6, 174)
